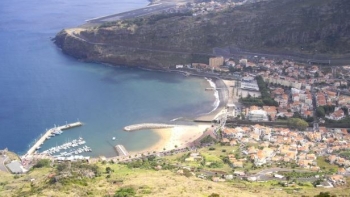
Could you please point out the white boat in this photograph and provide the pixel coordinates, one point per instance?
(113, 138)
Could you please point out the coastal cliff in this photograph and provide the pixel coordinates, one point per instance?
(312, 27)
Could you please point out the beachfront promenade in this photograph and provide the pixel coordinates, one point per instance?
(147, 126)
(42, 139)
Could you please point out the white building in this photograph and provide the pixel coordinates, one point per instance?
(257, 115)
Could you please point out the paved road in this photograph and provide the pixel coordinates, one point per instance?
(134, 13)
(318, 59)
(2, 161)
(272, 170)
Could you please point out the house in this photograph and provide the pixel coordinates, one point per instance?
(278, 176)
(341, 171)
(217, 179)
(194, 157)
(336, 115)
(237, 164)
(259, 158)
(337, 180)
(239, 173)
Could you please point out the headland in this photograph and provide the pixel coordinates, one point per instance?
(77, 36)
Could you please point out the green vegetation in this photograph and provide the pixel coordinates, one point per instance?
(125, 192)
(321, 111)
(265, 98)
(295, 174)
(326, 166)
(325, 194)
(42, 163)
(345, 120)
(207, 140)
(297, 123)
(124, 180)
(345, 154)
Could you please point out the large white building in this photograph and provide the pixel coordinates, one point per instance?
(257, 115)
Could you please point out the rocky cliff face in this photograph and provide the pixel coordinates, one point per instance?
(301, 26)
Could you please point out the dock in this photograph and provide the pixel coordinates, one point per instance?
(42, 139)
(147, 126)
(213, 88)
(121, 150)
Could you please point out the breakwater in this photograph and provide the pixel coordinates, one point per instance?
(49, 132)
(147, 126)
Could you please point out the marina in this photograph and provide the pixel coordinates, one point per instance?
(69, 148)
(50, 133)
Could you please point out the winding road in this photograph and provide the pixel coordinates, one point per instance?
(2, 163)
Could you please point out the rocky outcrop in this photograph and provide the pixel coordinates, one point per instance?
(298, 26)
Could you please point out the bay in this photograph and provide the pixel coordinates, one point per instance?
(41, 87)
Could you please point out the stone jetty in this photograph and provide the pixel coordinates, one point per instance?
(147, 126)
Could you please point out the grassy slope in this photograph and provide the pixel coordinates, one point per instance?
(151, 182)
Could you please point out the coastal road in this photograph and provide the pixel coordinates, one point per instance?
(272, 170)
(152, 9)
(2, 163)
(323, 60)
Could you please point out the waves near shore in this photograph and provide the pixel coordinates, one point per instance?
(216, 104)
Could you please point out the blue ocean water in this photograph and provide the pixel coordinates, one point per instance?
(40, 86)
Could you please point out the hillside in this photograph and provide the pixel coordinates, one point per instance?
(314, 27)
(107, 179)
(55, 181)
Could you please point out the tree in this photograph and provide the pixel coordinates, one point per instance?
(325, 194)
(346, 111)
(320, 112)
(317, 75)
(297, 123)
(108, 170)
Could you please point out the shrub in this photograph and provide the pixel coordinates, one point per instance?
(42, 163)
(125, 192)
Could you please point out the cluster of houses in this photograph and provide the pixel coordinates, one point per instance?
(283, 145)
(203, 8)
(294, 85)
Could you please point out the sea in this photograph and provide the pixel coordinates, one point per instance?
(40, 87)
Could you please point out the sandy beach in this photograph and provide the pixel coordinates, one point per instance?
(179, 136)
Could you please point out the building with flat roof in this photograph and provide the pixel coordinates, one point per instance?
(249, 85)
(257, 115)
(216, 61)
(16, 167)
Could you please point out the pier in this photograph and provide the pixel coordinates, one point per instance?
(147, 126)
(42, 139)
(213, 88)
(121, 150)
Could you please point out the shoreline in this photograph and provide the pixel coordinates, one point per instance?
(177, 137)
(223, 100)
(171, 137)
